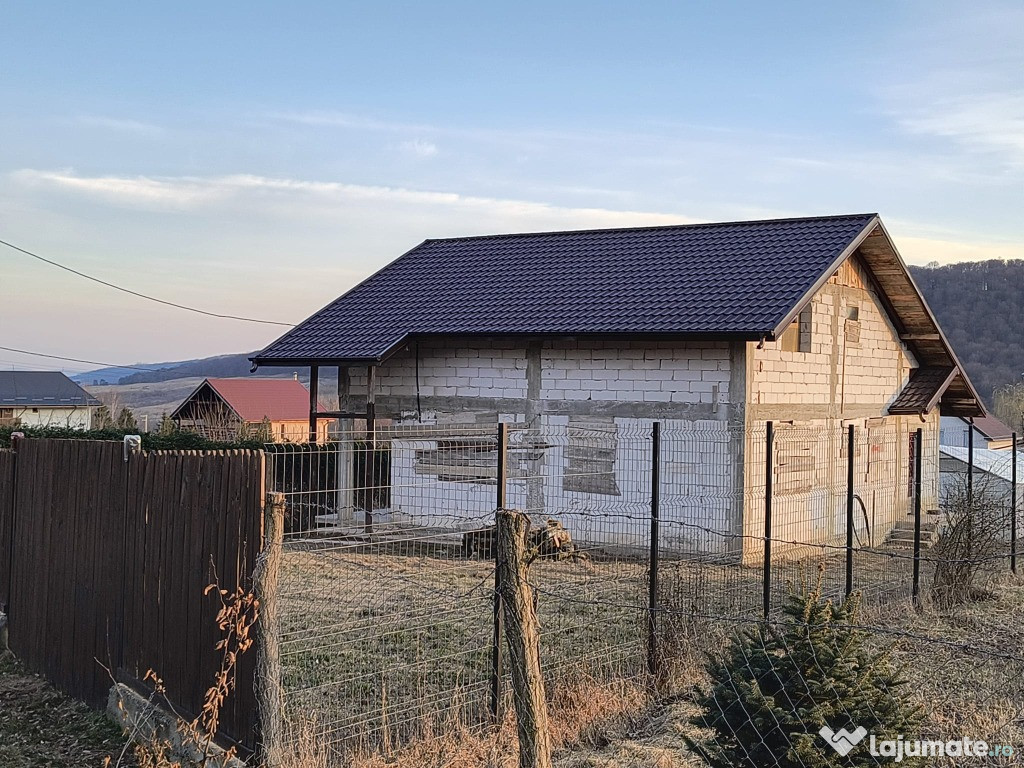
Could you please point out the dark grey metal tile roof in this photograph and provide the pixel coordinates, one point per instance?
(923, 390)
(733, 280)
(46, 389)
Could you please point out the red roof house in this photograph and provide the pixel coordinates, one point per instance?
(227, 409)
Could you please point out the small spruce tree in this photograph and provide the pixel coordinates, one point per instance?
(777, 685)
(265, 431)
(102, 419)
(167, 426)
(126, 421)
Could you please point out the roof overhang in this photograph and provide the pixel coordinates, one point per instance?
(407, 341)
(909, 313)
(923, 391)
(915, 321)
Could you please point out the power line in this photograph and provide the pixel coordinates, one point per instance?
(75, 359)
(140, 295)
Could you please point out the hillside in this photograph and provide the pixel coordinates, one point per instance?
(222, 366)
(978, 305)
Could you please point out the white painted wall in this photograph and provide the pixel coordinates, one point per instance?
(74, 417)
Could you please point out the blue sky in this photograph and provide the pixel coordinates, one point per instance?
(260, 159)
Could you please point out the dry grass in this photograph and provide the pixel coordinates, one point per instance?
(583, 714)
(392, 651)
(41, 727)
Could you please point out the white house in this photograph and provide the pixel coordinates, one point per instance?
(989, 432)
(44, 399)
(584, 339)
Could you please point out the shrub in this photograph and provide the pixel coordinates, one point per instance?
(776, 685)
(151, 441)
(973, 541)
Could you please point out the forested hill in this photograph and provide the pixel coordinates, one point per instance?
(980, 306)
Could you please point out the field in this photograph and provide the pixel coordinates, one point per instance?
(377, 643)
(382, 642)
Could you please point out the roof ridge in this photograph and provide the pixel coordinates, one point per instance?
(651, 227)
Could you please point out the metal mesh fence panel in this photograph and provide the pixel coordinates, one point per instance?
(388, 629)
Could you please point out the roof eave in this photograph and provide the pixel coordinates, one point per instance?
(284, 362)
(978, 402)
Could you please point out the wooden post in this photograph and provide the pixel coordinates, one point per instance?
(269, 692)
(523, 635)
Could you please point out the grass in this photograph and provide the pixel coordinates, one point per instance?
(40, 727)
(376, 643)
(388, 642)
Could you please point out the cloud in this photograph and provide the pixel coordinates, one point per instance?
(419, 148)
(992, 122)
(136, 192)
(119, 124)
(292, 197)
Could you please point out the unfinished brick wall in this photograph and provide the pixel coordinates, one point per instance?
(854, 368)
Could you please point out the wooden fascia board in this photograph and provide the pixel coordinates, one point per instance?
(847, 252)
(935, 323)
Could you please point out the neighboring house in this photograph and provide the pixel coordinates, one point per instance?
(588, 337)
(44, 399)
(227, 409)
(989, 432)
(993, 473)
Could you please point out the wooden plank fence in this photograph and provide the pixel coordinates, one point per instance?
(110, 558)
(6, 522)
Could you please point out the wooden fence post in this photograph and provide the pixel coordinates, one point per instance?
(268, 679)
(523, 636)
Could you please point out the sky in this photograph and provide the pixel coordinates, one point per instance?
(260, 159)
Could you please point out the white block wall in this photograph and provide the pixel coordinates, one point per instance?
(647, 372)
(699, 500)
(629, 371)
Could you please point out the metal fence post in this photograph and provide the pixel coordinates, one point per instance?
(769, 436)
(917, 516)
(652, 597)
(1013, 507)
(849, 512)
(970, 488)
(970, 464)
(497, 646)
